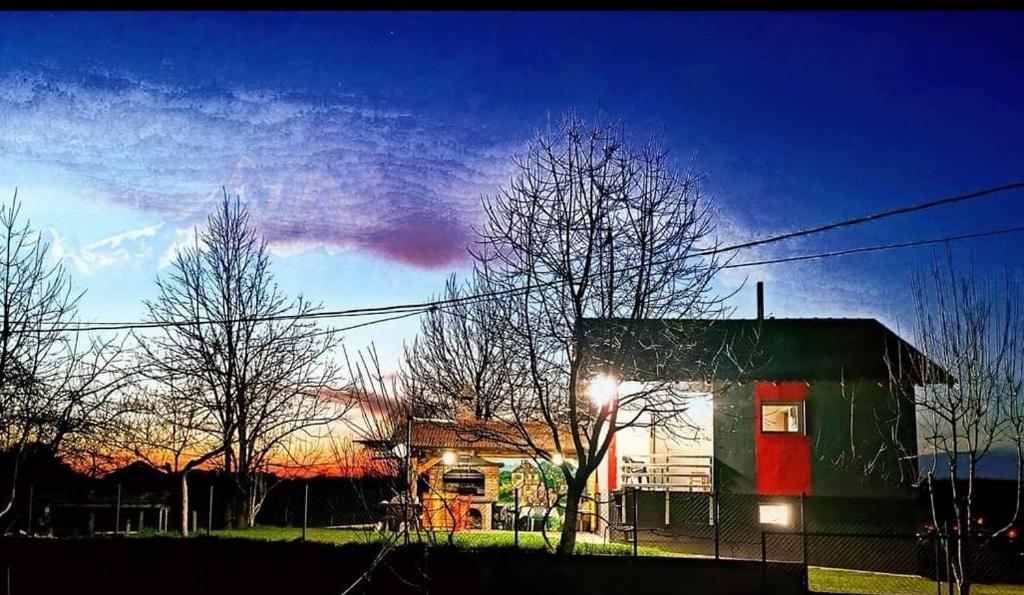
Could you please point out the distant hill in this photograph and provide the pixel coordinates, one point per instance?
(1000, 465)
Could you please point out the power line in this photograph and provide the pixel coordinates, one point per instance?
(877, 248)
(883, 215)
(423, 306)
(718, 250)
(119, 326)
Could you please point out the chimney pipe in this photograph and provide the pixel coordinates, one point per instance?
(760, 300)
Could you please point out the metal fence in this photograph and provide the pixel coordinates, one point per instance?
(871, 550)
(866, 546)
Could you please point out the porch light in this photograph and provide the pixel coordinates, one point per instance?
(774, 514)
(557, 459)
(449, 458)
(603, 389)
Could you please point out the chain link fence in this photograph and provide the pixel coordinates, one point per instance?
(847, 546)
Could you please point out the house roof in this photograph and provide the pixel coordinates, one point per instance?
(751, 349)
(486, 436)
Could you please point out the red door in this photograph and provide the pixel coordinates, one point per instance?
(782, 449)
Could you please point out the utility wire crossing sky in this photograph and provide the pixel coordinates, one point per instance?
(362, 142)
(422, 307)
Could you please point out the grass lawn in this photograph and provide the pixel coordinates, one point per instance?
(821, 580)
(833, 580)
(471, 540)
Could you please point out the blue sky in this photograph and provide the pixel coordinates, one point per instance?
(362, 141)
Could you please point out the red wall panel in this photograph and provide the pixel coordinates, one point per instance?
(613, 465)
(782, 461)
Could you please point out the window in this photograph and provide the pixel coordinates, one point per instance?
(774, 514)
(782, 418)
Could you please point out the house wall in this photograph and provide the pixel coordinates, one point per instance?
(853, 430)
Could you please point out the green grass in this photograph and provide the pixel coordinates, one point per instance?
(832, 580)
(317, 534)
(470, 540)
(822, 580)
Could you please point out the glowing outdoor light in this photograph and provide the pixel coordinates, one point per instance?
(449, 458)
(557, 459)
(774, 514)
(603, 389)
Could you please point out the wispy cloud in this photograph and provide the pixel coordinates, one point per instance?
(318, 172)
(117, 249)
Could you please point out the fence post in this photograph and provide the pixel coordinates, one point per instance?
(949, 557)
(718, 530)
(938, 576)
(515, 516)
(764, 561)
(117, 512)
(636, 522)
(803, 527)
(209, 513)
(31, 490)
(305, 511)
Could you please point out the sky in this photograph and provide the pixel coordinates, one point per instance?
(362, 142)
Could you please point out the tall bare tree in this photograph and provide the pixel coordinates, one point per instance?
(167, 423)
(262, 360)
(459, 352)
(973, 329)
(591, 225)
(57, 386)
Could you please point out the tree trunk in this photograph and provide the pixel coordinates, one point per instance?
(237, 502)
(567, 541)
(184, 503)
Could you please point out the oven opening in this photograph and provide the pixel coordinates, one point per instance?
(464, 481)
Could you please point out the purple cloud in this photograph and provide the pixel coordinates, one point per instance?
(343, 174)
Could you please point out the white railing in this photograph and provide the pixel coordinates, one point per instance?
(672, 472)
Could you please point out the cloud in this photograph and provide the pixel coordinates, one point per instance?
(117, 249)
(182, 237)
(331, 173)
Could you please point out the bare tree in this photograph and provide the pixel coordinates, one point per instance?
(377, 423)
(459, 352)
(591, 225)
(973, 329)
(262, 360)
(57, 386)
(167, 423)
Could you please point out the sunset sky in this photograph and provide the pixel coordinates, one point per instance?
(362, 142)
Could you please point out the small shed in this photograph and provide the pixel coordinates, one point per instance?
(102, 513)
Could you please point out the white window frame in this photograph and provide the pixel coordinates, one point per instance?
(801, 419)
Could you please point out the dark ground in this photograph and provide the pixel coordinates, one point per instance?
(209, 565)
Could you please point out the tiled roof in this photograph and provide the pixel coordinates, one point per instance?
(492, 435)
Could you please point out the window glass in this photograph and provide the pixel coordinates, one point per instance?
(785, 418)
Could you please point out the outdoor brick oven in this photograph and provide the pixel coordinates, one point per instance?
(462, 494)
(457, 463)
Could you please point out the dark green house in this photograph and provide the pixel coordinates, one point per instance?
(812, 425)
